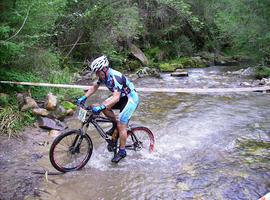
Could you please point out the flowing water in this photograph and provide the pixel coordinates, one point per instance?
(208, 146)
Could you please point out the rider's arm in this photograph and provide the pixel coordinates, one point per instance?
(92, 89)
(110, 102)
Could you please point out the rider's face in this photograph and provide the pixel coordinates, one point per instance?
(101, 75)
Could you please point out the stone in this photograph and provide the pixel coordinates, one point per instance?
(48, 123)
(245, 84)
(30, 103)
(146, 71)
(70, 112)
(54, 133)
(51, 102)
(180, 70)
(40, 112)
(59, 112)
(20, 99)
(265, 81)
(179, 74)
(239, 72)
(137, 53)
(248, 71)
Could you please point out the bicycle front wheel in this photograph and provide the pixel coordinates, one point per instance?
(140, 138)
(70, 151)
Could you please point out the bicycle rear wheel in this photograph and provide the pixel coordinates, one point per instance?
(140, 138)
(70, 151)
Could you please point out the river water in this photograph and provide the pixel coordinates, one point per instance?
(208, 146)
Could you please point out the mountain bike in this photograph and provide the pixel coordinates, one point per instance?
(72, 149)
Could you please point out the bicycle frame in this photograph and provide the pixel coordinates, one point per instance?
(95, 119)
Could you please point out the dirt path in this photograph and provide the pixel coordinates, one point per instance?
(19, 158)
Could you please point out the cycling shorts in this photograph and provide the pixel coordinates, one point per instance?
(127, 105)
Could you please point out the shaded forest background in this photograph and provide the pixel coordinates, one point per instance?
(42, 36)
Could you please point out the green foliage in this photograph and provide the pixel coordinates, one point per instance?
(12, 120)
(4, 99)
(68, 105)
(133, 65)
(9, 51)
(262, 72)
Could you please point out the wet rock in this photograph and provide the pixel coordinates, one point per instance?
(70, 112)
(179, 74)
(51, 102)
(59, 113)
(250, 71)
(245, 84)
(54, 133)
(265, 81)
(148, 72)
(239, 72)
(180, 70)
(40, 112)
(137, 53)
(30, 103)
(48, 123)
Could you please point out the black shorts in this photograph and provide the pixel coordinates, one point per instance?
(121, 104)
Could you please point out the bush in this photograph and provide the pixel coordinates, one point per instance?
(262, 72)
(4, 99)
(12, 120)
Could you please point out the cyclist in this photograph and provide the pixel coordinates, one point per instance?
(124, 97)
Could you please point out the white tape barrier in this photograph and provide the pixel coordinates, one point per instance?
(168, 90)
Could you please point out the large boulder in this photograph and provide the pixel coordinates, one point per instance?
(265, 81)
(50, 124)
(51, 102)
(137, 53)
(30, 103)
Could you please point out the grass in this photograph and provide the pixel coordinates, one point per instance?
(12, 120)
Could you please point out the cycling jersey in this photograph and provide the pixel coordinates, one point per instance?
(129, 99)
(116, 81)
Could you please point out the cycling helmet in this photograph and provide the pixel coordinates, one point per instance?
(99, 63)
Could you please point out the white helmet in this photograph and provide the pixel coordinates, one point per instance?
(99, 63)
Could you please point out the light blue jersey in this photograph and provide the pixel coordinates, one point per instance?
(116, 81)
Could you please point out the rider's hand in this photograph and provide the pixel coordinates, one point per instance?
(81, 100)
(98, 109)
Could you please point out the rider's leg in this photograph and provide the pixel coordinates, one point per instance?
(110, 114)
(122, 129)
